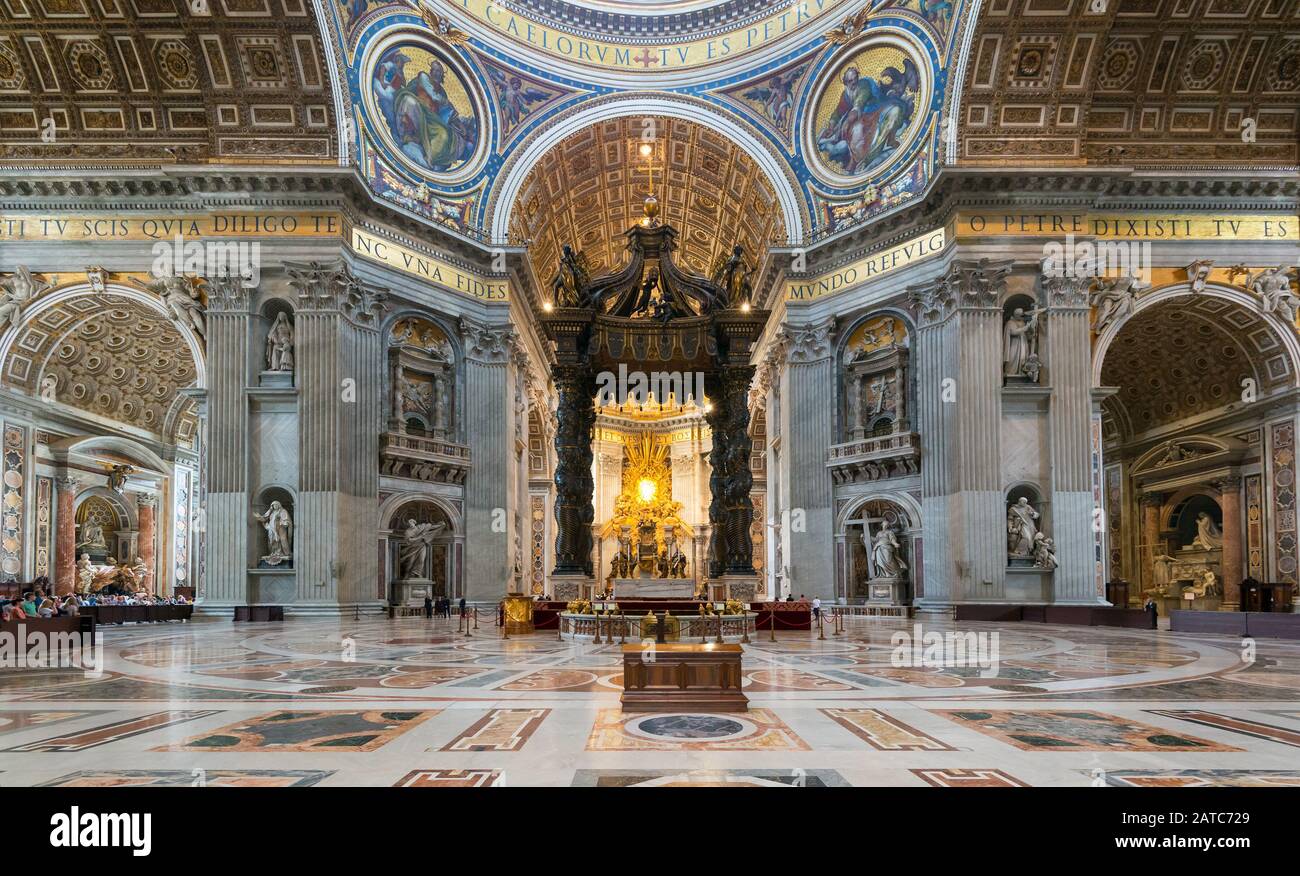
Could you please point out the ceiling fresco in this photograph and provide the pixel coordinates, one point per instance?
(844, 98)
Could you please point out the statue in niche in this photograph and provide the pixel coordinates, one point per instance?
(92, 535)
(279, 344)
(1114, 300)
(441, 405)
(117, 477)
(279, 534)
(732, 275)
(854, 407)
(15, 291)
(884, 554)
(1273, 285)
(1208, 536)
(1044, 552)
(1022, 526)
(414, 549)
(1020, 341)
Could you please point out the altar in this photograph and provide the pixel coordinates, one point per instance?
(654, 588)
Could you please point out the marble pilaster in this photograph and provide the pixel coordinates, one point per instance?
(489, 383)
(226, 521)
(807, 424)
(65, 538)
(1233, 554)
(1068, 369)
(962, 502)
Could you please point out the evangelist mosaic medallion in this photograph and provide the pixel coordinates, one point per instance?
(868, 111)
(424, 109)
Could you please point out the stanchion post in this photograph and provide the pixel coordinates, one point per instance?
(821, 627)
(772, 619)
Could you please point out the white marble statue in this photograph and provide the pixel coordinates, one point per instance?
(182, 301)
(1020, 340)
(1208, 536)
(883, 551)
(85, 574)
(16, 290)
(279, 344)
(279, 533)
(441, 406)
(414, 548)
(92, 535)
(1162, 573)
(1044, 552)
(1022, 526)
(1273, 285)
(1198, 273)
(1115, 299)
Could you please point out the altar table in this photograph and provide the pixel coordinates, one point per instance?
(682, 677)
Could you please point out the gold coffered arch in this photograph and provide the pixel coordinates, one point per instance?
(589, 188)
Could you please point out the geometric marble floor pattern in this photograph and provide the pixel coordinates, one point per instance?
(411, 703)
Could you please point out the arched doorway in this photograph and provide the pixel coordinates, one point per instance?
(878, 550)
(1194, 422)
(419, 545)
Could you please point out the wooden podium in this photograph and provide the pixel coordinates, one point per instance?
(679, 677)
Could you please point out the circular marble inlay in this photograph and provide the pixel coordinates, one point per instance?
(711, 727)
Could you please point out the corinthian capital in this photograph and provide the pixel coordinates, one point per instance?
(1063, 292)
(491, 344)
(227, 293)
(964, 284)
(333, 286)
(807, 343)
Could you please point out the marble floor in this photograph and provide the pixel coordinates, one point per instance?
(411, 702)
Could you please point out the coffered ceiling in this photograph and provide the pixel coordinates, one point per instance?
(163, 80)
(590, 188)
(1133, 82)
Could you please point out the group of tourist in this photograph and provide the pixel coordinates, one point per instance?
(41, 602)
(38, 602)
(440, 607)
